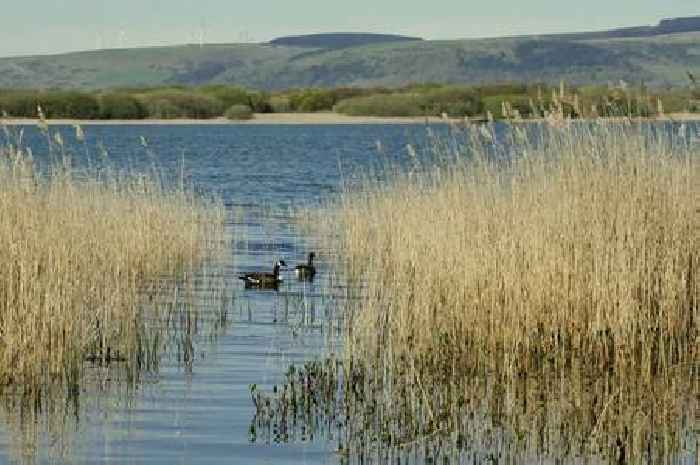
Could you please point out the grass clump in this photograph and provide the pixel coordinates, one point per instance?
(81, 253)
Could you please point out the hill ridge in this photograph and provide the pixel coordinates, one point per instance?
(339, 39)
(661, 59)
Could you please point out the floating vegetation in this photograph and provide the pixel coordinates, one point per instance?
(530, 294)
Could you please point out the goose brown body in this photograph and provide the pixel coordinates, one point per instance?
(261, 279)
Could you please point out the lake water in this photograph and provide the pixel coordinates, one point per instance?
(201, 413)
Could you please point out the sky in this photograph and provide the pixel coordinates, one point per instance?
(56, 26)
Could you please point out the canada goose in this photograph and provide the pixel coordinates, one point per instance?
(307, 270)
(263, 279)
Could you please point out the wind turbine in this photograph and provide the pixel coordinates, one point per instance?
(201, 34)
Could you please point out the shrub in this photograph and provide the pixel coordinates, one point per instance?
(343, 93)
(522, 104)
(239, 112)
(694, 106)
(623, 105)
(280, 104)
(121, 106)
(20, 104)
(678, 102)
(382, 105)
(421, 87)
(69, 104)
(259, 102)
(54, 103)
(227, 95)
(494, 90)
(453, 100)
(174, 103)
(310, 100)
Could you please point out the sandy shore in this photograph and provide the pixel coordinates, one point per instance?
(261, 118)
(289, 119)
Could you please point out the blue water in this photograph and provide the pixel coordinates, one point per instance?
(247, 165)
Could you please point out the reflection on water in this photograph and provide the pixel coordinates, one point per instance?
(543, 418)
(214, 384)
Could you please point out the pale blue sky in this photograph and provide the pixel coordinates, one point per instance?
(51, 26)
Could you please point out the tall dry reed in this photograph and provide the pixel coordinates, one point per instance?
(80, 253)
(563, 252)
(582, 243)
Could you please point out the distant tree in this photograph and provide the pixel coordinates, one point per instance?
(19, 103)
(280, 104)
(452, 100)
(239, 112)
(121, 106)
(176, 103)
(69, 104)
(382, 105)
(227, 95)
(259, 102)
(311, 100)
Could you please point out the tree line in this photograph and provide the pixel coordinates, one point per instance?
(507, 100)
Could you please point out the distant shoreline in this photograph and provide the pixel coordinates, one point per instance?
(260, 118)
(296, 119)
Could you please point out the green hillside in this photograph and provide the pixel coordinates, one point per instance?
(658, 60)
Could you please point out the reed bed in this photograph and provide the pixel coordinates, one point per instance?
(579, 244)
(525, 275)
(83, 253)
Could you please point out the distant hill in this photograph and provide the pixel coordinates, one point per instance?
(665, 26)
(658, 55)
(339, 40)
(673, 26)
